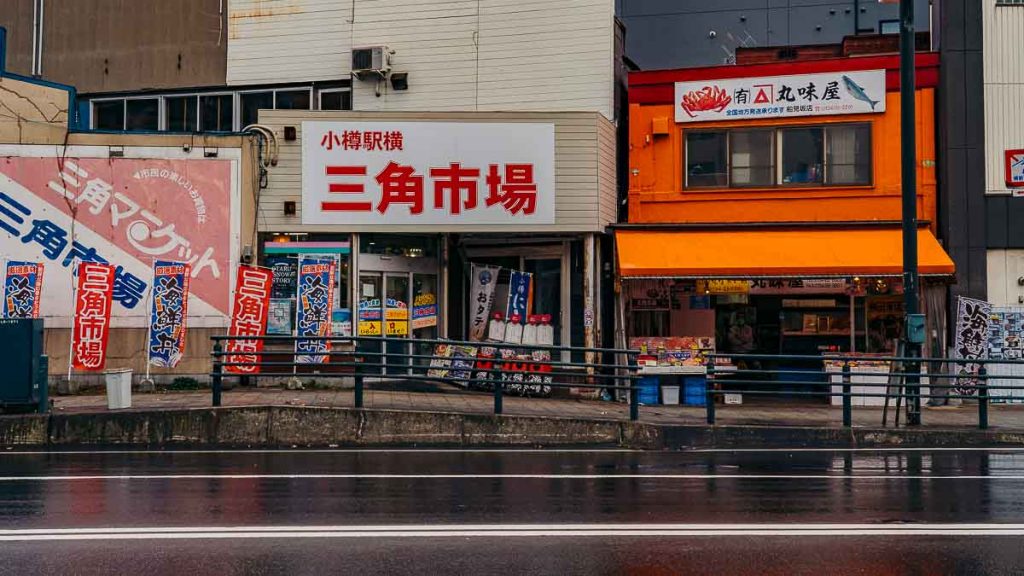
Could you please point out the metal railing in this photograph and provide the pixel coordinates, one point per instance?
(500, 368)
(893, 381)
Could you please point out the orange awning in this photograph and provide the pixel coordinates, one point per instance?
(773, 253)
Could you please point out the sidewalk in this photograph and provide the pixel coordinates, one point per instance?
(764, 413)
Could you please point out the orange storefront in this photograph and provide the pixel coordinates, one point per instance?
(764, 206)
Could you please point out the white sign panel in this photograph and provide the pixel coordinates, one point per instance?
(781, 96)
(416, 173)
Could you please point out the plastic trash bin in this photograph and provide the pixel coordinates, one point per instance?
(670, 395)
(119, 388)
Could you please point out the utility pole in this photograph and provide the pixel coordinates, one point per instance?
(908, 137)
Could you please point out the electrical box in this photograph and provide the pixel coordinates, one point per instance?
(915, 328)
(23, 386)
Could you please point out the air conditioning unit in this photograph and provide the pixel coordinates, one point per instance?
(371, 62)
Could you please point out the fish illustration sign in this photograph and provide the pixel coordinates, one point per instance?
(861, 92)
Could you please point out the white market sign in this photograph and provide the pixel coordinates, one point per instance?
(781, 96)
(418, 173)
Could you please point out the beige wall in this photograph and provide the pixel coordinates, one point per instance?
(32, 114)
(585, 180)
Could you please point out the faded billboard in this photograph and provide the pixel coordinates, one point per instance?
(63, 207)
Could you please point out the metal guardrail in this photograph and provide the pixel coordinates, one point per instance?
(498, 367)
(839, 376)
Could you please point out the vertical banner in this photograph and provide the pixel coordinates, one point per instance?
(519, 296)
(313, 309)
(92, 316)
(168, 314)
(249, 317)
(972, 320)
(23, 289)
(481, 298)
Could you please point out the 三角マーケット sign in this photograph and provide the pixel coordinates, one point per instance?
(861, 92)
(421, 173)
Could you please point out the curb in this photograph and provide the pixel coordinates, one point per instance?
(282, 426)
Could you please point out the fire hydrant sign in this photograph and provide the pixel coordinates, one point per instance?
(416, 173)
(861, 92)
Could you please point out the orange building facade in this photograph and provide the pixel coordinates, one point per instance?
(769, 196)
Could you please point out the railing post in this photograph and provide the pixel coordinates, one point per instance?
(358, 389)
(497, 391)
(709, 386)
(847, 400)
(216, 384)
(634, 397)
(982, 398)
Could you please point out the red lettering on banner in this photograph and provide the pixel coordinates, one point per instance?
(346, 188)
(455, 179)
(517, 193)
(92, 315)
(400, 185)
(249, 318)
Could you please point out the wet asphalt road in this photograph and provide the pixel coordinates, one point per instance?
(494, 511)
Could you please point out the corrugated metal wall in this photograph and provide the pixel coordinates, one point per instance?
(584, 170)
(460, 54)
(1004, 88)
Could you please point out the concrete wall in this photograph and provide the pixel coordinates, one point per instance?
(460, 55)
(111, 45)
(678, 33)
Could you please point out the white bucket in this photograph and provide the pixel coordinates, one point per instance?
(670, 394)
(119, 388)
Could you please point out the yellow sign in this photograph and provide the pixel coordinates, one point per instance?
(369, 328)
(424, 299)
(397, 328)
(396, 314)
(723, 286)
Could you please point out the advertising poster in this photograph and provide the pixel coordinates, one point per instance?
(82, 205)
(424, 311)
(92, 316)
(519, 296)
(418, 173)
(23, 287)
(281, 314)
(860, 92)
(169, 313)
(370, 317)
(286, 270)
(971, 342)
(249, 318)
(313, 310)
(481, 299)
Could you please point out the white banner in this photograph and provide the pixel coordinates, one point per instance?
(481, 298)
(415, 173)
(971, 342)
(781, 96)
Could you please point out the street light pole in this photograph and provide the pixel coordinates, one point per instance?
(908, 137)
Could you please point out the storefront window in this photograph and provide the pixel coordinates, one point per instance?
(407, 245)
(752, 157)
(706, 159)
(849, 154)
(282, 253)
(803, 152)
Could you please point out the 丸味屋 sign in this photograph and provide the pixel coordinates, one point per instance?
(781, 96)
(412, 173)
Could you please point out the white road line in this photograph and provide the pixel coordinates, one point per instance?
(73, 478)
(879, 449)
(511, 530)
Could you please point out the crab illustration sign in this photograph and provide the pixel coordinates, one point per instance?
(411, 173)
(861, 92)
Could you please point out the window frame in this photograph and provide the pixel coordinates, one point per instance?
(321, 92)
(778, 156)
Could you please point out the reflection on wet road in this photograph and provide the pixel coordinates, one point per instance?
(543, 511)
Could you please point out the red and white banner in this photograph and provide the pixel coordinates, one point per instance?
(415, 173)
(92, 316)
(249, 318)
(77, 204)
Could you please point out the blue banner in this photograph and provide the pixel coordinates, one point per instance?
(518, 297)
(313, 309)
(23, 289)
(168, 313)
